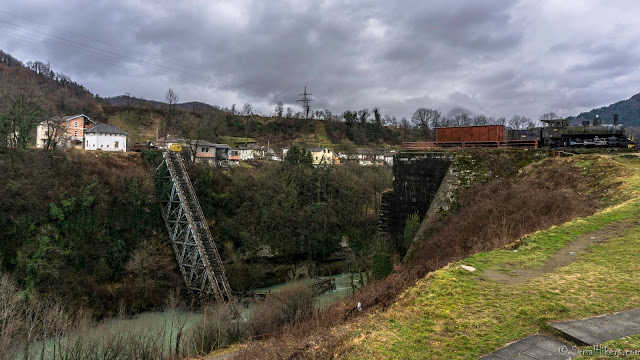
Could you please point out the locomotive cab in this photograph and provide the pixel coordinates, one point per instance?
(552, 132)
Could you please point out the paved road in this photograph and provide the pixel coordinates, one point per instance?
(536, 347)
(591, 331)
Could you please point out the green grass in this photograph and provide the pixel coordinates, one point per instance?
(626, 347)
(237, 141)
(456, 314)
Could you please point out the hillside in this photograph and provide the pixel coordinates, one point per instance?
(85, 228)
(130, 101)
(447, 312)
(579, 269)
(55, 92)
(629, 111)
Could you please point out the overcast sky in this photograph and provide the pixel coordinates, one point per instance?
(498, 58)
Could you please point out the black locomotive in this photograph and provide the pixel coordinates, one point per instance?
(576, 133)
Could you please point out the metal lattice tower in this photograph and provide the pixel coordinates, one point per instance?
(199, 261)
(306, 102)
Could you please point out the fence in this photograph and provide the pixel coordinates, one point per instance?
(431, 145)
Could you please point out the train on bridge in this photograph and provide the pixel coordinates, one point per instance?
(554, 133)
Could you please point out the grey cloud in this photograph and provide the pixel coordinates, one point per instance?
(351, 54)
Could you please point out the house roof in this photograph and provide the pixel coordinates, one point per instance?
(170, 138)
(71, 117)
(318, 149)
(105, 129)
(365, 151)
(68, 118)
(206, 143)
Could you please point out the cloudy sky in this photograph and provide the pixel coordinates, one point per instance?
(499, 58)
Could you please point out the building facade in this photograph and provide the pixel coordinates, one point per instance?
(105, 137)
(67, 131)
(323, 156)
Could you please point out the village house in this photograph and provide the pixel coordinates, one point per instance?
(368, 157)
(165, 142)
(67, 131)
(209, 153)
(388, 158)
(105, 137)
(239, 154)
(323, 156)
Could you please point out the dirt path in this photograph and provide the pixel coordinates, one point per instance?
(565, 256)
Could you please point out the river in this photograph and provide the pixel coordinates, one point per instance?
(161, 327)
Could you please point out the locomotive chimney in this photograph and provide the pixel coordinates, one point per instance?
(615, 119)
(597, 121)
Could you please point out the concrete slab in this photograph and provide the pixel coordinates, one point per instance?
(534, 347)
(596, 330)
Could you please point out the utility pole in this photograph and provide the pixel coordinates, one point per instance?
(306, 101)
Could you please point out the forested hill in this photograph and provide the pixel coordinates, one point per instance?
(54, 92)
(128, 100)
(629, 111)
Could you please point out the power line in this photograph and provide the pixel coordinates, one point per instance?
(97, 40)
(102, 52)
(60, 47)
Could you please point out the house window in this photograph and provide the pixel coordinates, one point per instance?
(316, 158)
(107, 145)
(115, 145)
(75, 124)
(75, 132)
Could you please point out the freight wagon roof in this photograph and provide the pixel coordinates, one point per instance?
(466, 126)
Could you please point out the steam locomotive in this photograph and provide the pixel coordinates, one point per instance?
(576, 133)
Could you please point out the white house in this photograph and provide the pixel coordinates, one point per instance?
(236, 155)
(105, 137)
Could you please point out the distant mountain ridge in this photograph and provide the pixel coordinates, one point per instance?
(629, 111)
(125, 100)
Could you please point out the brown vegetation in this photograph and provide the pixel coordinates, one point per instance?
(491, 214)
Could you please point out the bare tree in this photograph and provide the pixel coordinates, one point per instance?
(480, 120)
(56, 131)
(549, 116)
(289, 113)
(171, 99)
(279, 109)
(33, 313)
(425, 119)
(10, 311)
(20, 111)
(247, 109)
(404, 128)
(195, 131)
(518, 122)
(463, 120)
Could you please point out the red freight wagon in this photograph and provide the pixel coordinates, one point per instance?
(470, 133)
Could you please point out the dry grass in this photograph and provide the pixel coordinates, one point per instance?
(491, 215)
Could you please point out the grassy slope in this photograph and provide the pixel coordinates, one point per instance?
(453, 313)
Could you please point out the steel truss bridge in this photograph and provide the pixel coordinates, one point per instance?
(199, 261)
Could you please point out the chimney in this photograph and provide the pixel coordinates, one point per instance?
(597, 121)
(615, 119)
